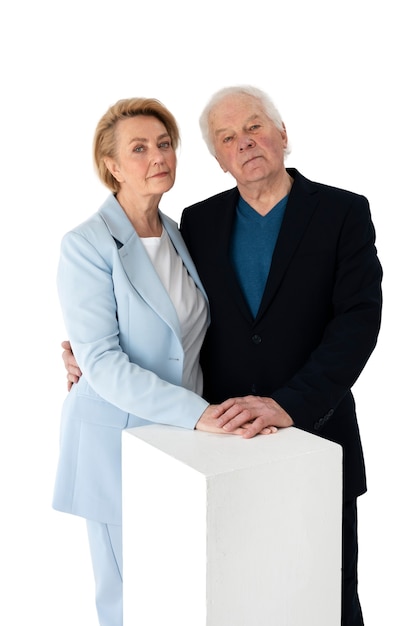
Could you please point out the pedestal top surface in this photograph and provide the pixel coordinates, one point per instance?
(213, 454)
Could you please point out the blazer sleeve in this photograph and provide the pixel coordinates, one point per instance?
(86, 292)
(315, 391)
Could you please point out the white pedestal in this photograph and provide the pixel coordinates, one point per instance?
(222, 531)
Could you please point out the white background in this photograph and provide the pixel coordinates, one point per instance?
(344, 78)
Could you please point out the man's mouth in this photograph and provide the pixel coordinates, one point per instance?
(253, 158)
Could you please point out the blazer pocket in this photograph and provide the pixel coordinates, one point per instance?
(91, 408)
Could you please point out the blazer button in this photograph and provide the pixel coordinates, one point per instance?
(319, 424)
(256, 339)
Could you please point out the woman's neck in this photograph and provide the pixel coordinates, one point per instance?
(143, 214)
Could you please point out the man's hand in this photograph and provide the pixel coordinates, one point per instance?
(208, 422)
(73, 371)
(254, 414)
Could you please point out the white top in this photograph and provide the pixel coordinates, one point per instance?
(187, 300)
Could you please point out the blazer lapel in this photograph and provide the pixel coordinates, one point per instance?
(137, 265)
(181, 248)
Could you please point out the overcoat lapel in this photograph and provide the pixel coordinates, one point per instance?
(300, 208)
(301, 205)
(222, 243)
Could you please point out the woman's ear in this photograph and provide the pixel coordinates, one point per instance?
(113, 168)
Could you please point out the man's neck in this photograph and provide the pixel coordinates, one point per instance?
(262, 196)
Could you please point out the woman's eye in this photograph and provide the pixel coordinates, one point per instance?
(139, 149)
(165, 144)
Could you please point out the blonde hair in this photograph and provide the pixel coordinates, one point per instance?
(105, 140)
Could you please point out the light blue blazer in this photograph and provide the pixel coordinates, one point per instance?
(125, 335)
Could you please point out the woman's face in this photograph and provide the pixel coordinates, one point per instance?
(145, 161)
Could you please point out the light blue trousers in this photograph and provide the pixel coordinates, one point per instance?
(106, 554)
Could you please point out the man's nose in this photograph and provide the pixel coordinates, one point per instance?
(246, 142)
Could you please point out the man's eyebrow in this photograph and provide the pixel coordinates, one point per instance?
(251, 118)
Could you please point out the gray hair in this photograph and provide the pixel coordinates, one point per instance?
(246, 90)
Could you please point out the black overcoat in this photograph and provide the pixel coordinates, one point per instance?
(319, 317)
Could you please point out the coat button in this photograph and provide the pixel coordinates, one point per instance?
(256, 339)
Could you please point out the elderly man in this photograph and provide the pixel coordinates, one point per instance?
(294, 285)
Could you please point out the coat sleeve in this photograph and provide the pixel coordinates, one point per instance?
(86, 293)
(312, 395)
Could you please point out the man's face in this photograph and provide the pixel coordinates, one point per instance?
(247, 143)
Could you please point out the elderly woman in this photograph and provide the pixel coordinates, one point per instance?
(136, 314)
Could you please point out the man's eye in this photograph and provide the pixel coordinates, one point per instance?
(254, 126)
(226, 139)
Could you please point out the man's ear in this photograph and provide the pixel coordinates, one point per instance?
(284, 136)
(220, 165)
